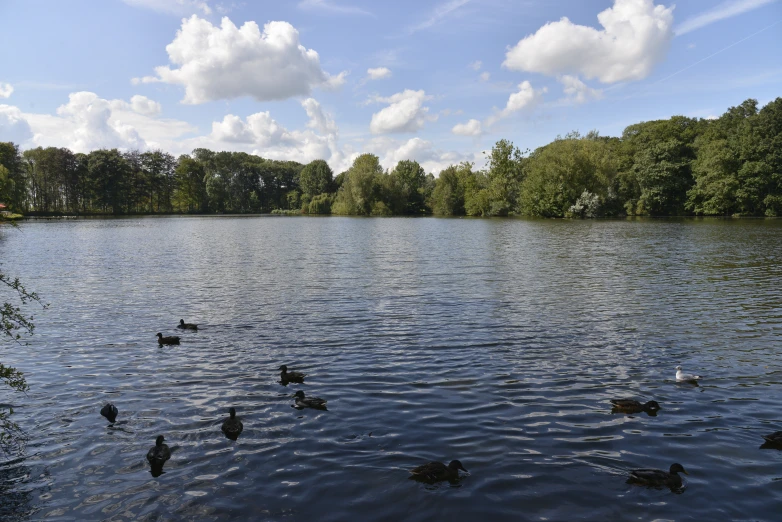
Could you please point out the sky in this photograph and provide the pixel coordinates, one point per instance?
(436, 81)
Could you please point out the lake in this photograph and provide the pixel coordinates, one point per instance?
(498, 342)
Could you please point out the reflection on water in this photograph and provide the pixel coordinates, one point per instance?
(496, 342)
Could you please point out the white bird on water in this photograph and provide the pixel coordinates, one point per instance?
(681, 376)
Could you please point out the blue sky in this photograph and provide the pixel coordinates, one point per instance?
(435, 81)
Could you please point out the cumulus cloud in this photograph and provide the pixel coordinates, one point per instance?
(228, 62)
(720, 12)
(391, 152)
(636, 35)
(476, 65)
(6, 90)
(88, 122)
(145, 106)
(524, 100)
(577, 91)
(471, 128)
(378, 73)
(485, 76)
(174, 7)
(261, 134)
(13, 125)
(88, 116)
(405, 113)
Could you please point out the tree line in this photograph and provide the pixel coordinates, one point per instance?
(731, 165)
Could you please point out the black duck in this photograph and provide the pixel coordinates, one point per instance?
(437, 471)
(110, 412)
(287, 376)
(633, 406)
(167, 340)
(187, 326)
(658, 477)
(309, 402)
(232, 426)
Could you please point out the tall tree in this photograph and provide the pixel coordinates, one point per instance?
(315, 178)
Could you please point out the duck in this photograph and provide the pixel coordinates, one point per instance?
(287, 376)
(159, 453)
(187, 326)
(633, 406)
(774, 438)
(437, 471)
(232, 426)
(658, 477)
(167, 340)
(110, 412)
(308, 402)
(685, 377)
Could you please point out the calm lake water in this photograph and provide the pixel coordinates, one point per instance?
(496, 342)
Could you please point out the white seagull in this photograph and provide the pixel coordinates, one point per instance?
(681, 376)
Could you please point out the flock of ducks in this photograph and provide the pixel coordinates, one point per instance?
(431, 472)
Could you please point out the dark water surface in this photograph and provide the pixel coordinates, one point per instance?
(497, 342)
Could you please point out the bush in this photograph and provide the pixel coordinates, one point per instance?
(380, 209)
(320, 204)
(586, 206)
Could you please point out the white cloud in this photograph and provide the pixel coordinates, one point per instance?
(145, 106)
(378, 73)
(722, 11)
(228, 62)
(471, 128)
(391, 152)
(13, 125)
(525, 99)
(326, 5)
(485, 76)
(577, 91)
(6, 90)
(635, 37)
(476, 65)
(88, 122)
(405, 113)
(88, 117)
(174, 7)
(261, 134)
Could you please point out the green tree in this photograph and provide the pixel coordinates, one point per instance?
(407, 183)
(13, 182)
(110, 175)
(559, 173)
(315, 178)
(459, 191)
(505, 175)
(361, 187)
(190, 193)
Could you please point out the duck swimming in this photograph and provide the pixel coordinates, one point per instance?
(110, 412)
(159, 453)
(437, 471)
(685, 377)
(633, 406)
(167, 340)
(774, 438)
(287, 376)
(187, 326)
(232, 426)
(658, 477)
(308, 402)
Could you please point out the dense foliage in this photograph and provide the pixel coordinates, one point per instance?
(731, 165)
